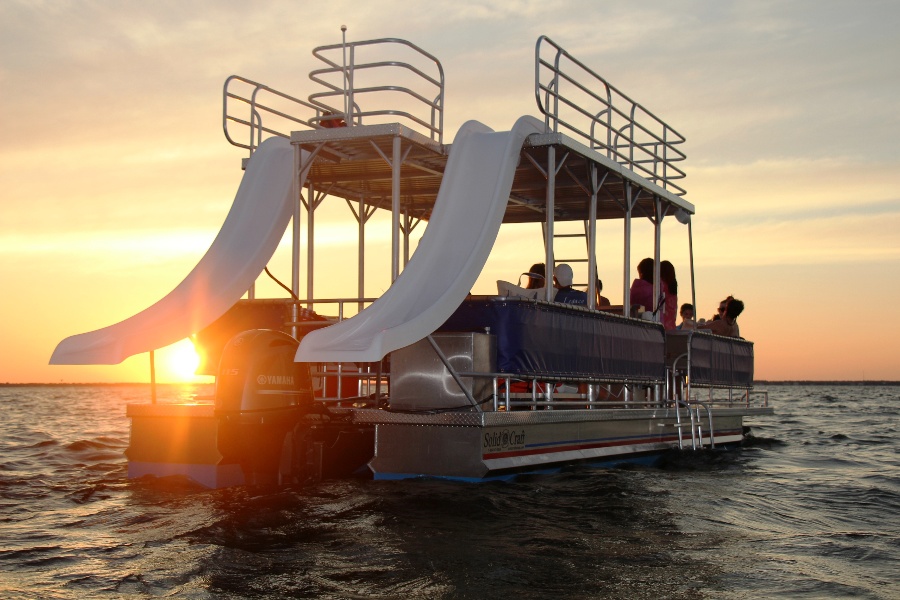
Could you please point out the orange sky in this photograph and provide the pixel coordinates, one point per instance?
(116, 175)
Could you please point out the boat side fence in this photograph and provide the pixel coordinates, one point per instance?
(697, 369)
(574, 98)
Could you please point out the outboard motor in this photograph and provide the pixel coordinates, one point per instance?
(261, 398)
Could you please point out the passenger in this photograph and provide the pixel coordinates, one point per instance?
(562, 278)
(687, 317)
(670, 292)
(601, 300)
(722, 305)
(727, 325)
(642, 287)
(537, 275)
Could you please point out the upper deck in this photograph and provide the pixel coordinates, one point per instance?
(597, 139)
(353, 163)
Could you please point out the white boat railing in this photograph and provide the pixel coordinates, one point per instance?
(573, 97)
(360, 84)
(252, 111)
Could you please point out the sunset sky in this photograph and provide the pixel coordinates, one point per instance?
(116, 175)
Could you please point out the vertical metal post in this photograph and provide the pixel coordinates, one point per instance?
(310, 245)
(152, 378)
(592, 241)
(406, 221)
(345, 78)
(691, 258)
(361, 259)
(496, 396)
(377, 383)
(626, 301)
(395, 210)
(550, 291)
(296, 186)
(657, 250)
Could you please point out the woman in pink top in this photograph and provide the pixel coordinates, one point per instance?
(641, 293)
(670, 290)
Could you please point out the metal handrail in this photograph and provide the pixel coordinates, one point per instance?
(251, 99)
(350, 93)
(572, 96)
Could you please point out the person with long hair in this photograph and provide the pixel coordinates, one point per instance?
(601, 300)
(642, 288)
(670, 294)
(727, 325)
(536, 277)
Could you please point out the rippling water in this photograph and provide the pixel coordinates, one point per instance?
(809, 508)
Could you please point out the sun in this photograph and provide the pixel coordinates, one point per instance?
(180, 361)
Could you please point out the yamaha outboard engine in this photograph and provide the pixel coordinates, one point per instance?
(261, 398)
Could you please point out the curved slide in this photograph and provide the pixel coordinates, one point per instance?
(460, 234)
(249, 236)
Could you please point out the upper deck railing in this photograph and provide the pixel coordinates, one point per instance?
(358, 90)
(251, 111)
(572, 97)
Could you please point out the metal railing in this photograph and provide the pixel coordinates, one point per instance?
(354, 385)
(573, 97)
(260, 111)
(680, 389)
(347, 94)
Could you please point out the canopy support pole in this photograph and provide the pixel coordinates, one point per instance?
(152, 378)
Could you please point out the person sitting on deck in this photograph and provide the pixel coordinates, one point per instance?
(687, 317)
(536, 276)
(722, 305)
(562, 277)
(642, 287)
(669, 285)
(601, 300)
(727, 325)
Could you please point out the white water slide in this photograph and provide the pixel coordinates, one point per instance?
(462, 229)
(460, 234)
(249, 236)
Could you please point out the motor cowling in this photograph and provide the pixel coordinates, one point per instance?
(261, 398)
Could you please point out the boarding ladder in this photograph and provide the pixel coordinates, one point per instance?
(695, 423)
(680, 396)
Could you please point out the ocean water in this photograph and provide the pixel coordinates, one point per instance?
(809, 508)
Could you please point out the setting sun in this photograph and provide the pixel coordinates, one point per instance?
(178, 363)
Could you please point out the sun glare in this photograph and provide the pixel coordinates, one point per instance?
(181, 362)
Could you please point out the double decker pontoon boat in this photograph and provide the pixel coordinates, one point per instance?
(429, 379)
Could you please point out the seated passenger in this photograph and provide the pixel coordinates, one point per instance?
(687, 317)
(537, 276)
(721, 311)
(562, 277)
(642, 287)
(727, 325)
(669, 284)
(601, 300)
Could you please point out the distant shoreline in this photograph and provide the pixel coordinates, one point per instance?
(147, 384)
